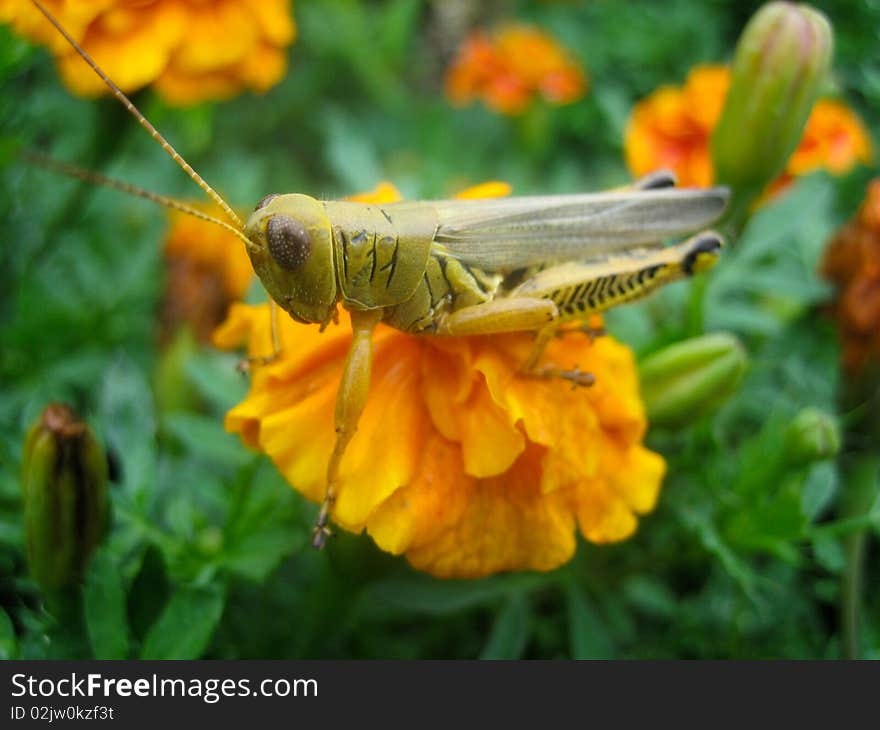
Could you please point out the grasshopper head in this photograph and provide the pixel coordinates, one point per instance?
(292, 253)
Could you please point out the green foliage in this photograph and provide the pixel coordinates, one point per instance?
(746, 553)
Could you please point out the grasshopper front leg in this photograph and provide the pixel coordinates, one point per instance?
(247, 364)
(351, 398)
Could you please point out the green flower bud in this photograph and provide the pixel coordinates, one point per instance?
(780, 63)
(64, 484)
(813, 435)
(684, 381)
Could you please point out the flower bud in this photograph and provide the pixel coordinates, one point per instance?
(64, 485)
(686, 380)
(780, 63)
(813, 435)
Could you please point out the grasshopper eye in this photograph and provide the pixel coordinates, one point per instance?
(265, 200)
(288, 242)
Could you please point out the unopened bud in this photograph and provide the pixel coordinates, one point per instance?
(684, 381)
(64, 484)
(780, 63)
(813, 435)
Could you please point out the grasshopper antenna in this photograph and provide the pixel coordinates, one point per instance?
(144, 122)
(97, 178)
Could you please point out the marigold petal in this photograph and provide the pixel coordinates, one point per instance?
(132, 58)
(274, 19)
(238, 326)
(384, 192)
(418, 513)
(507, 524)
(262, 68)
(602, 515)
(490, 441)
(490, 189)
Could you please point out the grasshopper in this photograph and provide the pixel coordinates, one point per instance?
(453, 267)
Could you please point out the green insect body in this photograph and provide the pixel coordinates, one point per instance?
(420, 262)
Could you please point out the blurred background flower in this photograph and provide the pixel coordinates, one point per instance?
(672, 128)
(207, 269)
(510, 67)
(169, 44)
(852, 264)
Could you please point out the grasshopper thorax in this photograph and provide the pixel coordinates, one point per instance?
(292, 252)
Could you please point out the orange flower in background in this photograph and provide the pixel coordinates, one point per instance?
(672, 127)
(460, 463)
(852, 263)
(207, 268)
(510, 67)
(189, 50)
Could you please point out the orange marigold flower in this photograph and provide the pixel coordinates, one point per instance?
(852, 263)
(190, 50)
(671, 129)
(507, 69)
(460, 463)
(207, 268)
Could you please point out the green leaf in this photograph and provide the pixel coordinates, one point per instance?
(441, 597)
(259, 553)
(186, 625)
(650, 596)
(511, 630)
(8, 641)
(819, 489)
(588, 636)
(829, 553)
(216, 378)
(204, 436)
(104, 606)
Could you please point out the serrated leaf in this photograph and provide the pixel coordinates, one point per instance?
(104, 607)
(186, 625)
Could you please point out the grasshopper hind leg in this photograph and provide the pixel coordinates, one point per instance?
(516, 314)
(575, 375)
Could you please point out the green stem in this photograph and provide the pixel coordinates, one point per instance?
(860, 493)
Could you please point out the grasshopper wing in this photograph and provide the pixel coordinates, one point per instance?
(512, 233)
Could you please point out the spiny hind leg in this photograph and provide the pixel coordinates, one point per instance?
(592, 331)
(516, 314)
(531, 367)
(350, 401)
(247, 364)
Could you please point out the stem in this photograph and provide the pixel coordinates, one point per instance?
(737, 216)
(860, 492)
